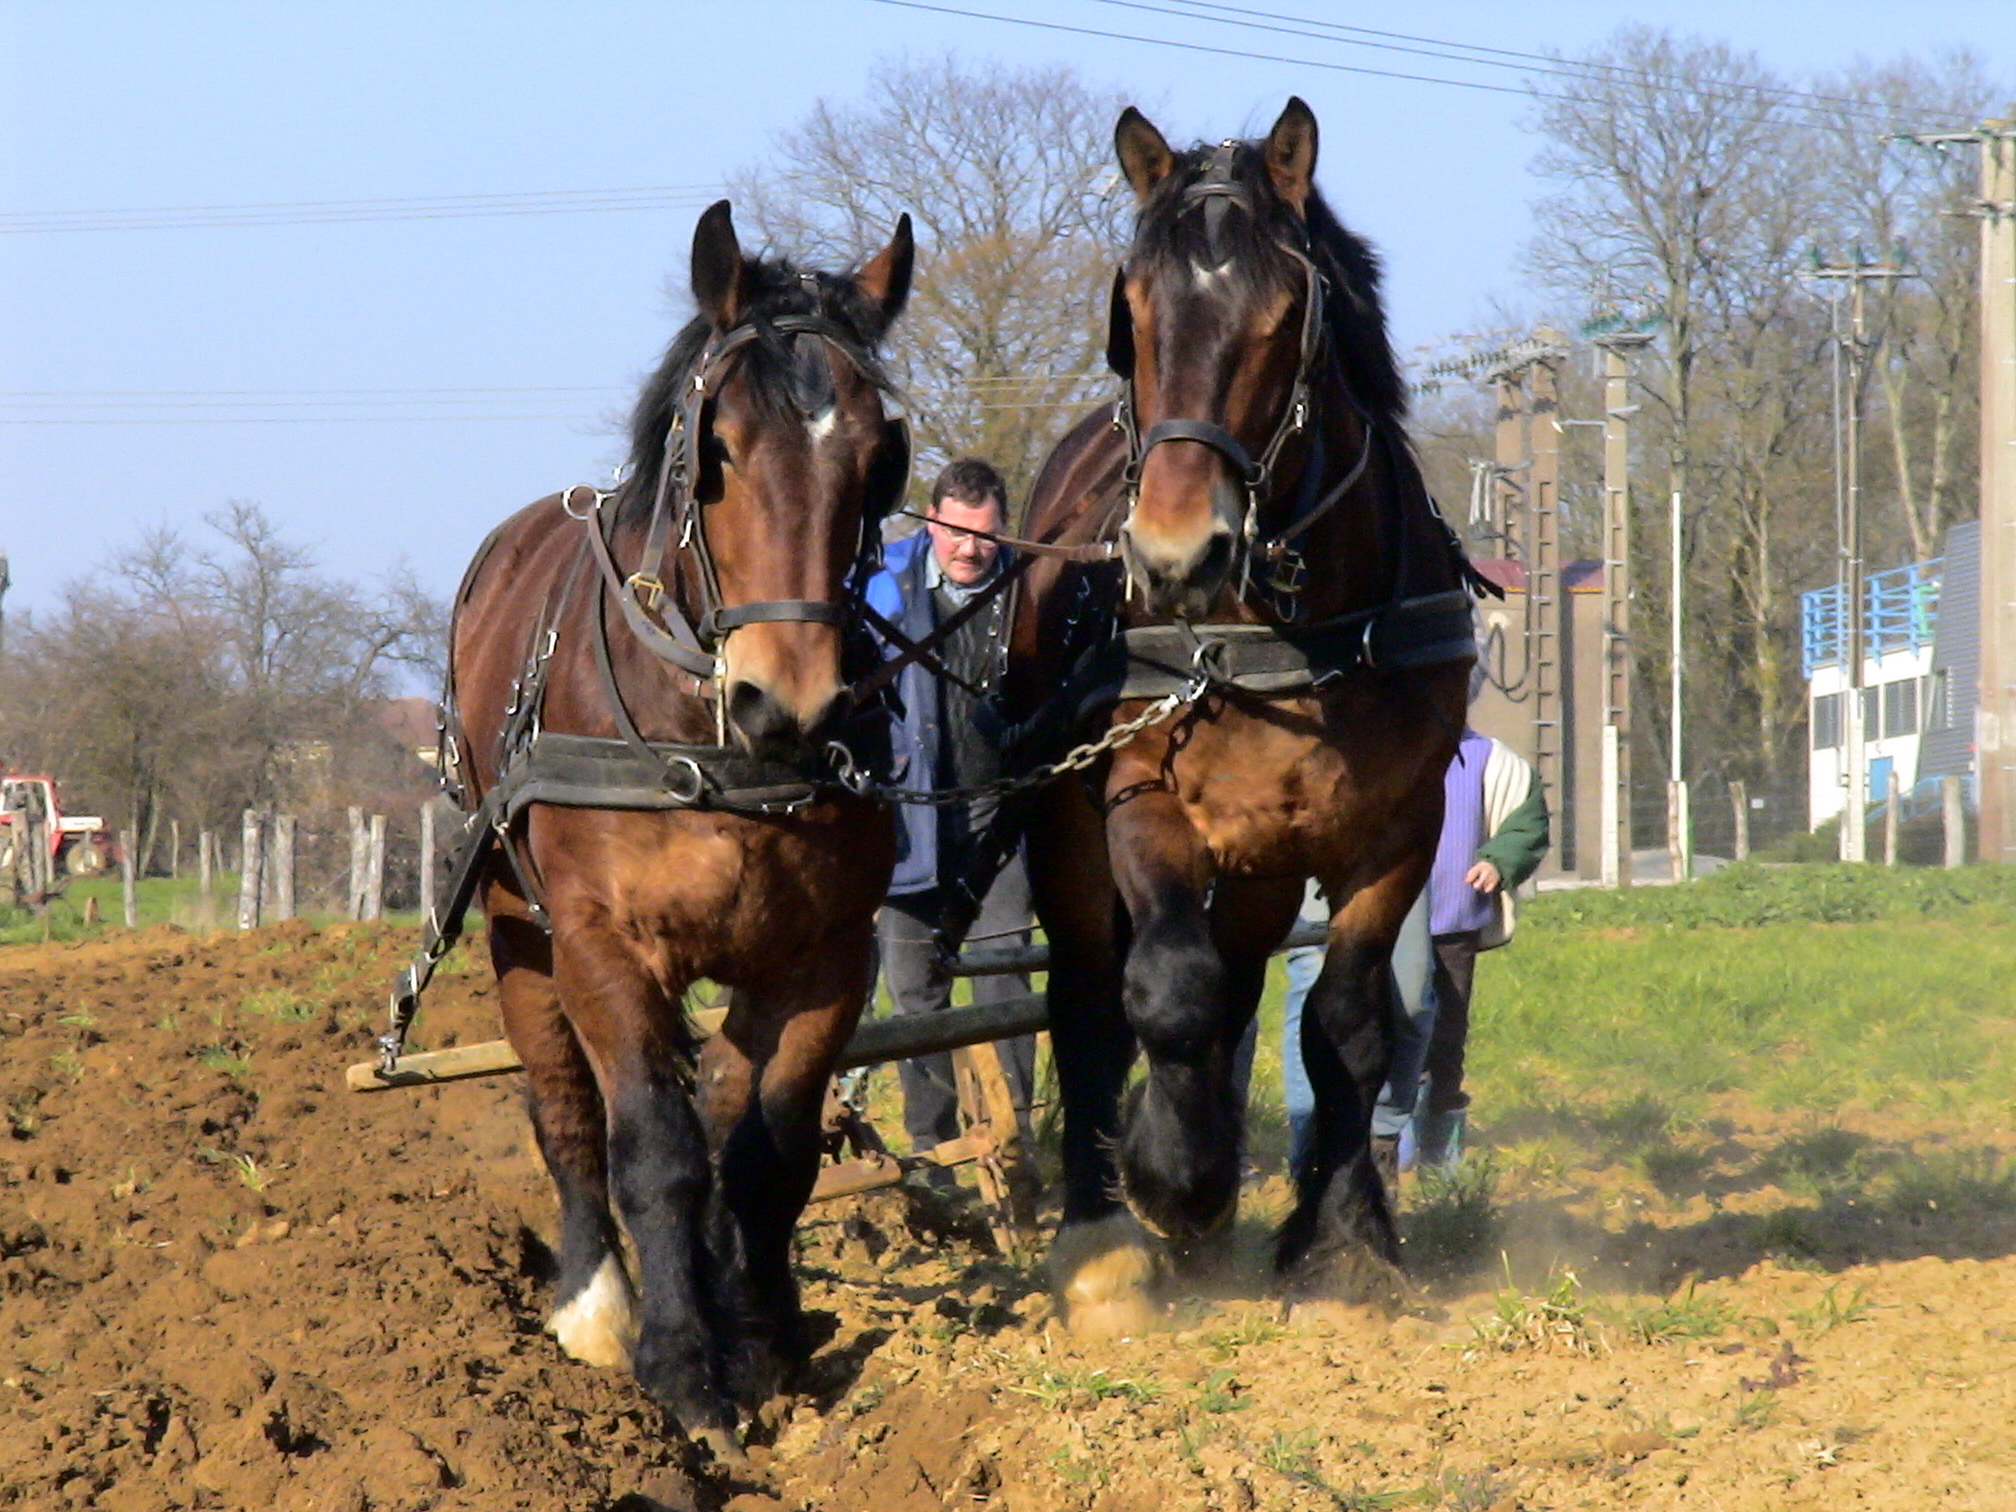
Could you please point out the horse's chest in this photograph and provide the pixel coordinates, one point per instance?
(1264, 796)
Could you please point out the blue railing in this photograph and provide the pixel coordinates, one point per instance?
(1900, 610)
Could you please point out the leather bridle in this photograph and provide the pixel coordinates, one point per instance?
(1216, 191)
(678, 519)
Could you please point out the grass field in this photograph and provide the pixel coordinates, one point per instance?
(1810, 988)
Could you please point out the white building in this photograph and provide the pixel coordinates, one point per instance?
(1918, 676)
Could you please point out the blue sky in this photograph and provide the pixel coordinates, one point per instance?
(389, 388)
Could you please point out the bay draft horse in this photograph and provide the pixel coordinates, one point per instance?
(1258, 476)
(762, 445)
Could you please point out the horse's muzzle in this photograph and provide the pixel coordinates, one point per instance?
(767, 727)
(1184, 581)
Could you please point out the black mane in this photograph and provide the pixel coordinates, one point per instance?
(1173, 227)
(769, 289)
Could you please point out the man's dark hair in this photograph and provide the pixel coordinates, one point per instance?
(970, 481)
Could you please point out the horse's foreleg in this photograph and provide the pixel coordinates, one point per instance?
(634, 1031)
(1179, 1152)
(1089, 1038)
(593, 1305)
(762, 1091)
(1340, 1236)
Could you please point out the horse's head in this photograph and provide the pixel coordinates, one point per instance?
(793, 459)
(1216, 313)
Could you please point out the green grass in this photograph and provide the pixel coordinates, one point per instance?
(1896, 1010)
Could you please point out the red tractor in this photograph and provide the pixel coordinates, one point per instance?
(79, 844)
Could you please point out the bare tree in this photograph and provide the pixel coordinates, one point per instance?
(1892, 200)
(1685, 194)
(1008, 176)
(195, 680)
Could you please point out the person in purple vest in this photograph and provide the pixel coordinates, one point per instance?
(1494, 834)
(1495, 830)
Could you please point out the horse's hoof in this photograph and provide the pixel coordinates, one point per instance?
(723, 1446)
(598, 1324)
(1356, 1278)
(1105, 1275)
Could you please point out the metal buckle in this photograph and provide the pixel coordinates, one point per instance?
(1287, 570)
(651, 589)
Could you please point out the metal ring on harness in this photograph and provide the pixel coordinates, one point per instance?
(689, 769)
(849, 776)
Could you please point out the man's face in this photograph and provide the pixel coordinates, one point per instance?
(963, 557)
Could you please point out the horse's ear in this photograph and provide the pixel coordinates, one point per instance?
(1144, 154)
(1291, 153)
(717, 267)
(885, 278)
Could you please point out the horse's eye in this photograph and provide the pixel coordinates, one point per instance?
(714, 451)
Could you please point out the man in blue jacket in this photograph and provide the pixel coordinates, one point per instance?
(926, 579)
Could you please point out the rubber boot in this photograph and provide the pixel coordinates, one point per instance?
(1441, 1147)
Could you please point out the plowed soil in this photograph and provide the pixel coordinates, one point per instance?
(227, 1283)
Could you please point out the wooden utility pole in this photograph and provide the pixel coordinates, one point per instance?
(1995, 721)
(1995, 712)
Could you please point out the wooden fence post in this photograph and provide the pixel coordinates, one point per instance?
(359, 845)
(1739, 800)
(282, 866)
(174, 849)
(250, 869)
(374, 870)
(1953, 810)
(427, 860)
(127, 898)
(206, 855)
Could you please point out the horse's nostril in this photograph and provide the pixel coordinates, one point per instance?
(759, 716)
(1214, 564)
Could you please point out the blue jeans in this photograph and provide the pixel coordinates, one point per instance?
(1413, 961)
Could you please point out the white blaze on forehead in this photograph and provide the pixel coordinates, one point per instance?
(823, 424)
(1206, 277)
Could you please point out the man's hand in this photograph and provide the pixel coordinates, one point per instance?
(1483, 876)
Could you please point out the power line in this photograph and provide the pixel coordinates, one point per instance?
(339, 212)
(1491, 57)
(1201, 47)
(1742, 94)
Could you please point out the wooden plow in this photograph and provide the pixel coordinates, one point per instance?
(991, 1143)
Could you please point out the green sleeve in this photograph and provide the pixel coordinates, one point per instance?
(1521, 840)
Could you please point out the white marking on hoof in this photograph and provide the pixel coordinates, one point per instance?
(599, 1324)
(1105, 1275)
(724, 1446)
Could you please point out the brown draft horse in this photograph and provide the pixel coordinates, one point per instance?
(762, 446)
(1258, 476)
